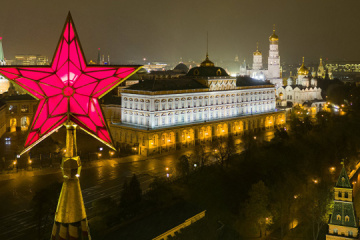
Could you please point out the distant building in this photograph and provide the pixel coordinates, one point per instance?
(29, 59)
(4, 83)
(168, 114)
(19, 110)
(273, 71)
(180, 70)
(300, 90)
(343, 222)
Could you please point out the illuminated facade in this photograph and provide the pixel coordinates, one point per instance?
(4, 83)
(274, 69)
(343, 223)
(168, 114)
(273, 72)
(300, 90)
(20, 109)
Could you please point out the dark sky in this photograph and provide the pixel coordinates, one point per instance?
(165, 30)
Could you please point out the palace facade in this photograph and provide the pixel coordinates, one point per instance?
(168, 114)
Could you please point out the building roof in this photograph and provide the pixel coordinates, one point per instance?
(167, 85)
(343, 181)
(207, 69)
(19, 97)
(343, 209)
(248, 81)
(181, 67)
(111, 99)
(207, 72)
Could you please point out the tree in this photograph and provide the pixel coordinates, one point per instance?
(200, 157)
(223, 149)
(131, 196)
(183, 166)
(257, 207)
(44, 205)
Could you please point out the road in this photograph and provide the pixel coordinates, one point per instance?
(100, 179)
(104, 178)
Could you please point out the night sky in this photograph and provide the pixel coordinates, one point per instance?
(166, 30)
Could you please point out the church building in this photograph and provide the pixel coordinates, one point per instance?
(300, 90)
(273, 71)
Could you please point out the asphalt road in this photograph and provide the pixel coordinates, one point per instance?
(101, 179)
(104, 178)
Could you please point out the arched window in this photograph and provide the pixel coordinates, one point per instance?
(335, 231)
(347, 219)
(338, 217)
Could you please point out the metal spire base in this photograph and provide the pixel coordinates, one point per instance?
(70, 217)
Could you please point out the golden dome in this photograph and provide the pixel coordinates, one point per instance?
(274, 37)
(207, 62)
(257, 52)
(303, 70)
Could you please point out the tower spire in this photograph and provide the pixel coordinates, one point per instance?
(207, 45)
(2, 58)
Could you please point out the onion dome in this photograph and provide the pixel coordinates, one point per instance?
(281, 94)
(274, 37)
(303, 70)
(257, 52)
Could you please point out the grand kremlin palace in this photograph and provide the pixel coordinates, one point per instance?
(169, 114)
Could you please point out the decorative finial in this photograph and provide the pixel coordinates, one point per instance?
(303, 60)
(257, 46)
(343, 162)
(274, 28)
(207, 44)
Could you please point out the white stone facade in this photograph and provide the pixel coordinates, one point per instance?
(298, 94)
(156, 111)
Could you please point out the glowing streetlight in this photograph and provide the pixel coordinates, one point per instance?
(99, 154)
(315, 181)
(167, 169)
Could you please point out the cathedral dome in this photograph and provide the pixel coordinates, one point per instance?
(273, 37)
(207, 62)
(181, 68)
(303, 70)
(257, 53)
(207, 69)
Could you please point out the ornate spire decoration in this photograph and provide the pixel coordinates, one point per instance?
(2, 58)
(343, 221)
(68, 89)
(68, 92)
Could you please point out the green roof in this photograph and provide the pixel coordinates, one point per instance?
(207, 72)
(343, 209)
(167, 85)
(343, 181)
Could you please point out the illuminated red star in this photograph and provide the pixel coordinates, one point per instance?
(68, 90)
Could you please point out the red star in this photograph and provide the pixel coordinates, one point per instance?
(68, 90)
